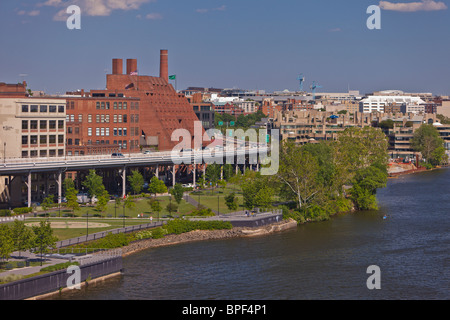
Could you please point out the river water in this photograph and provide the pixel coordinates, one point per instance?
(326, 260)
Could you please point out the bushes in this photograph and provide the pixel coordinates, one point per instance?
(202, 212)
(5, 213)
(111, 241)
(179, 226)
(59, 266)
(22, 210)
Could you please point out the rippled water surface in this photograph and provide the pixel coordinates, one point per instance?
(325, 260)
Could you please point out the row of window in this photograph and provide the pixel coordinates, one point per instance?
(43, 153)
(106, 105)
(42, 108)
(104, 118)
(43, 124)
(105, 132)
(43, 139)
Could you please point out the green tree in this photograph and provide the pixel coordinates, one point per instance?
(231, 201)
(22, 236)
(6, 242)
(68, 183)
(136, 181)
(44, 238)
(94, 184)
(365, 185)
(156, 206)
(72, 200)
(177, 191)
(48, 203)
(297, 174)
(256, 191)
(102, 202)
(213, 173)
(426, 140)
(171, 207)
(156, 186)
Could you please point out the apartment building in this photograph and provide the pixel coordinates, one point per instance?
(378, 103)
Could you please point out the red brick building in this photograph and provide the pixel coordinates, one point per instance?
(134, 112)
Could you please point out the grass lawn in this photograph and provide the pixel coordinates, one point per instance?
(216, 198)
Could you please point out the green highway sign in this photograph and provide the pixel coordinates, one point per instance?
(220, 123)
(231, 123)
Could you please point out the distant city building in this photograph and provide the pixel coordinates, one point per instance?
(378, 103)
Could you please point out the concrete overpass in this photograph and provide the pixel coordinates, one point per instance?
(59, 165)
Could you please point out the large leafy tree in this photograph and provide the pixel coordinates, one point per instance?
(177, 192)
(426, 140)
(6, 242)
(22, 236)
(136, 181)
(156, 186)
(94, 184)
(44, 238)
(297, 174)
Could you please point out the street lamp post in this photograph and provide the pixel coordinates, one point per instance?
(87, 224)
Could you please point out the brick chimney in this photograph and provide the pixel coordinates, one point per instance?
(164, 66)
(117, 66)
(131, 66)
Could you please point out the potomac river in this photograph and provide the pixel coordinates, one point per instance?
(326, 260)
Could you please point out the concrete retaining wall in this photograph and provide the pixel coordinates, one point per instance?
(56, 280)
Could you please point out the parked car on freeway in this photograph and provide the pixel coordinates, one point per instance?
(117, 155)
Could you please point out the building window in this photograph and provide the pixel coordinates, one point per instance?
(61, 109)
(43, 140)
(77, 130)
(124, 132)
(115, 132)
(69, 130)
(52, 139)
(80, 118)
(43, 153)
(33, 124)
(115, 118)
(52, 109)
(97, 106)
(89, 117)
(97, 118)
(25, 140)
(125, 118)
(43, 108)
(124, 106)
(60, 152)
(97, 132)
(24, 108)
(52, 124)
(120, 105)
(60, 138)
(120, 118)
(136, 118)
(33, 139)
(107, 118)
(24, 124)
(136, 105)
(102, 118)
(102, 131)
(107, 105)
(107, 132)
(43, 124)
(24, 154)
(61, 124)
(69, 142)
(115, 106)
(33, 108)
(89, 131)
(77, 142)
(103, 105)
(120, 132)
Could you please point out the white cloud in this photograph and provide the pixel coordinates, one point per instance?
(153, 16)
(32, 13)
(424, 5)
(221, 8)
(94, 7)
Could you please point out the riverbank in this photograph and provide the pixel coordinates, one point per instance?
(201, 235)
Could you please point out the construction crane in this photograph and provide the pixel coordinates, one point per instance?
(301, 78)
(313, 89)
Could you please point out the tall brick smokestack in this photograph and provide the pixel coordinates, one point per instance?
(131, 66)
(164, 66)
(117, 66)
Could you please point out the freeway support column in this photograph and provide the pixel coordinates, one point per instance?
(124, 181)
(193, 174)
(157, 171)
(174, 171)
(59, 182)
(28, 183)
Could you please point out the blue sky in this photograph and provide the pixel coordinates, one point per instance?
(249, 44)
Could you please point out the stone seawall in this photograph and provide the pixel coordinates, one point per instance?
(199, 235)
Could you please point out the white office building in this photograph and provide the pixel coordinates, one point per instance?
(377, 103)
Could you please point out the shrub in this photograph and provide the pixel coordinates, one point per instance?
(158, 233)
(20, 264)
(59, 266)
(22, 210)
(178, 226)
(5, 213)
(111, 241)
(202, 212)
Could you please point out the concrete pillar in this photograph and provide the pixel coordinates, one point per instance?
(157, 171)
(28, 183)
(124, 181)
(194, 172)
(174, 171)
(59, 182)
